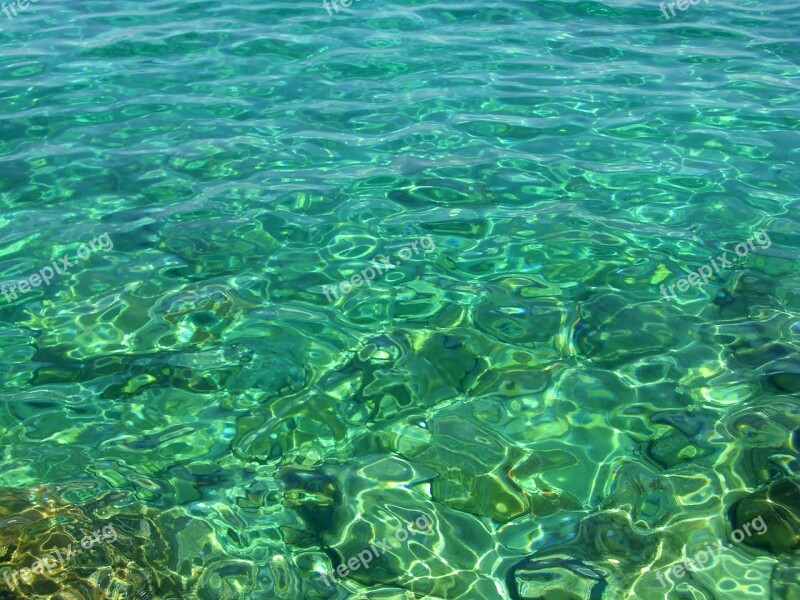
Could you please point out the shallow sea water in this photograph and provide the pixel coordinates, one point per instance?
(516, 394)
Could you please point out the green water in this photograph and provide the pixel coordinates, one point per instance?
(522, 383)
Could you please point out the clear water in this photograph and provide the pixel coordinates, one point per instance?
(525, 385)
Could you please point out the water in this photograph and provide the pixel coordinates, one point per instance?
(512, 389)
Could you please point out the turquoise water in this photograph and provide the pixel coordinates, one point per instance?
(503, 188)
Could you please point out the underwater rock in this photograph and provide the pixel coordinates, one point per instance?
(372, 387)
(757, 294)
(512, 382)
(313, 493)
(378, 499)
(646, 496)
(779, 506)
(674, 448)
(514, 320)
(37, 521)
(785, 375)
(488, 494)
(558, 577)
(640, 331)
(530, 475)
(723, 298)
(609, 537)
(785, 582)
(605, 552)
(473, 467)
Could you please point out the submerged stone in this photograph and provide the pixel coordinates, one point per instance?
(779, 506)
(125, 555)
(555, 578)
